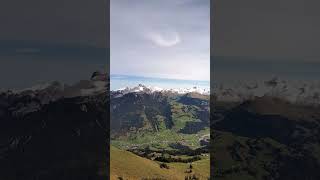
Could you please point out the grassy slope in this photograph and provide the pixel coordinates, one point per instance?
(263, 155)
(200, 168)
(129, 166)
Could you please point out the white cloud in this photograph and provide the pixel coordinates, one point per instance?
(167, 39)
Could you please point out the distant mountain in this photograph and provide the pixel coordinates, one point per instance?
(307, 93)
(152, 110)
(151, 89)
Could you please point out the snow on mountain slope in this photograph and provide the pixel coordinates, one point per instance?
(52, 91)
(151, 89)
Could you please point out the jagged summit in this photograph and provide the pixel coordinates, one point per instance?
(98, 76)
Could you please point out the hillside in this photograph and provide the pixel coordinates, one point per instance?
(130, 166)
(47, 134)
(159, 120)
(265, 138)
(127, 165)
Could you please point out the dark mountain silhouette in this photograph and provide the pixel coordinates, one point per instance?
(45, 135)
(266, 138)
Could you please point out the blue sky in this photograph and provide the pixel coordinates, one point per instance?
(166, 39)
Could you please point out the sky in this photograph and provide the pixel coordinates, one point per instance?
(164, 39)
(58, 21)
(259, 39)
(45, 41)
(58, 40)
(267, 29)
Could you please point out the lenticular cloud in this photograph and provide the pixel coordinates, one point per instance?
(167, 39)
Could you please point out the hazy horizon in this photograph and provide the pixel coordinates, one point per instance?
(118, 81)
(156, 77)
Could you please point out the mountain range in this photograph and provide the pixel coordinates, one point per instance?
(265, 138)
(54, 132)
(160, 126)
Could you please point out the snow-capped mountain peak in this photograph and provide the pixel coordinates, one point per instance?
(151, 89)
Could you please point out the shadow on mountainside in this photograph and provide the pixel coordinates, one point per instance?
(65, 138)
(265, 138)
